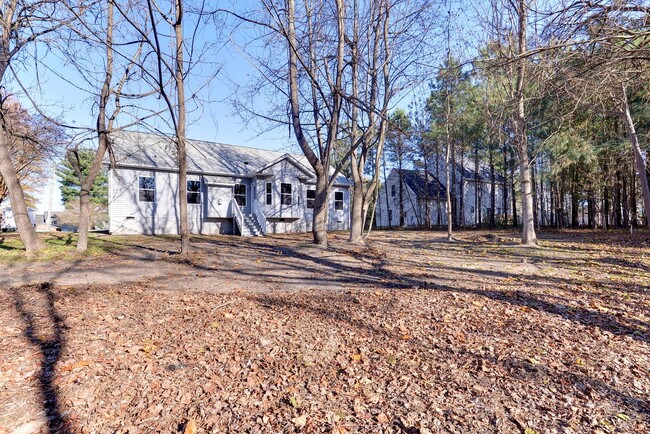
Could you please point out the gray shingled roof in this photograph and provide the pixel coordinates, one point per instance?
(415, 181)
(148, 150)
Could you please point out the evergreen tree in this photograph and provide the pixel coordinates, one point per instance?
(70, 184)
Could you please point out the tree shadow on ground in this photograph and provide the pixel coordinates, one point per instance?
(382, 276)
(44, 328)
(338, 307)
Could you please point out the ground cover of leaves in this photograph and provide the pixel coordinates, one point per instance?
(407, 335)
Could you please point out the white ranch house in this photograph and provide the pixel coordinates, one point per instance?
(231, 189)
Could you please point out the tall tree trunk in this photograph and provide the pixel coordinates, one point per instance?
(617, 200)
(638, 155)
(449, 184)
(26, 230)
(633, 191)
(88, 180)
(552, 202)
(401, 191)
(591, 210)
(427, 215)
(321, 200)
(625, 200)
(356, 226)
(528, 236)
(505, 186)
(542, 200)
(180, 131)
(493, 186)
(513, 196)
(477, 192)
(389, 218)
(533, 181)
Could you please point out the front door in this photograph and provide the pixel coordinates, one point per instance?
(240, 193)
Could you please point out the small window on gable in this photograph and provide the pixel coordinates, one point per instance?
(311, 196)
(193, 192)
(338, 200)
(269, 193)
(285, 194)
(240, 194)
(146, 189)
(392, 190)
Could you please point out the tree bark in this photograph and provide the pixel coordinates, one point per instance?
(356, 225)
(638, 156)
(88, 180)
(528, 236)
(26, 230)
(180, 130)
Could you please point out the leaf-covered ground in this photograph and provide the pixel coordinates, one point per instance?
(266, 335)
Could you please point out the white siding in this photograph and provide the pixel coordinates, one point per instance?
(128, 215)
(414, 209)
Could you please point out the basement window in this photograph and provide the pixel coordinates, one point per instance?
(146, 189)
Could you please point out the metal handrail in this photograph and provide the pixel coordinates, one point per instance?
(261, 218)
(239, 217)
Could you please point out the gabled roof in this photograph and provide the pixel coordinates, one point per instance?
(156, 151)
(292, 159)
(415, 181)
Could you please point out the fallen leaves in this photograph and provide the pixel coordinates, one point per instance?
(450, 357)
(300, 421)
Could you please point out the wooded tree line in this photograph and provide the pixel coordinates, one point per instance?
(554, 105)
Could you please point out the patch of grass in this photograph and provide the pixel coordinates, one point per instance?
(58, 246)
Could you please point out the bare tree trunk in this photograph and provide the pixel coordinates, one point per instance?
(493, 187)
(88, 180)
(513, 194)
(528, 236)
(505, 186)
(180, 130)
(388, 214)
(356, 226)
(638, 156)
(26, 230)
(319, 229)
(448, 186)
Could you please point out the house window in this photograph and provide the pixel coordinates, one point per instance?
(193, 192)
(146, 189)
(392, 190)
(285, 194)
(471, 210)
(311, 196)
(338, 200)
(240, 194)
(269, 193)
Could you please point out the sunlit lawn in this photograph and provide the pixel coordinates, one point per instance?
(59, 246)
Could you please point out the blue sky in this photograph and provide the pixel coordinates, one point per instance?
(214, 120)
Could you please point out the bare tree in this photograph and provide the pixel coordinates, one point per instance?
(162, 32)
(108, 101)
(308, 89)
(22, 23)
(387, 44)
